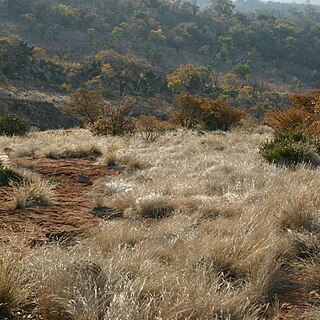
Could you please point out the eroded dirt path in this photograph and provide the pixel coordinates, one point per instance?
(70, 213)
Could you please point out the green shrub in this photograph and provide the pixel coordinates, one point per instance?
(12, 125)
(7, 175)
(292, 148)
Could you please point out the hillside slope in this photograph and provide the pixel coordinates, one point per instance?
(153, 50)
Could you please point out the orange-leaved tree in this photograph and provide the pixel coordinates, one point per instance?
(199, 112)
(85, 105)
(150, 128)
(114, 119)
(190, 112)
(303, 115)
(223, 117)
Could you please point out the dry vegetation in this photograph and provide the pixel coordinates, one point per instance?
(209, 231)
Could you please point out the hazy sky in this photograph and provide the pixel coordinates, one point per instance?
(299, 1)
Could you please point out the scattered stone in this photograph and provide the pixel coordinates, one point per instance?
(83, 179)
(106, 212)
(8, 150)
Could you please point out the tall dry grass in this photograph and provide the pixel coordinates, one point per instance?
(210, 232)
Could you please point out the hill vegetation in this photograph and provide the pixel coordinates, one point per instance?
(249, 60)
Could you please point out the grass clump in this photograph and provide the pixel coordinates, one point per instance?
(291, 148)
(90, 152)
(36, 192)
(133, 163)
(151, 206)
(12, 293)
(8, 175)
(109, 159)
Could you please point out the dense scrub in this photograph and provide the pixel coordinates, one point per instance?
(249, 60)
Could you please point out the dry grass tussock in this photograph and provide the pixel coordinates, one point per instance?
(33, 192)
(210, 232)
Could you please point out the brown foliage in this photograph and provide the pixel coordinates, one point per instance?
(293, 119)
(114, 119)
(302, 116)
(85, 105)
(223, 117)
(149, 127)
(206, 113)
(309, 102)
(190, 112)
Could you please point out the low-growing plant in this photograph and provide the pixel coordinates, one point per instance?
(9, 288)
(13, 125)
(151, 206)
(133, 163)
(291, 148)
(7, 175)
(109, 159)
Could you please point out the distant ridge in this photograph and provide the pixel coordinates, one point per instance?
(205, 3)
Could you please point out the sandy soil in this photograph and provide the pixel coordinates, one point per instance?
(71, 212)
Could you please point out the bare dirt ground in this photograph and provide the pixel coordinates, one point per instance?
(71, 213)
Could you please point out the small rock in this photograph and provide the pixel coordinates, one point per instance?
(83, 179)
(8, 150)
(106, 212)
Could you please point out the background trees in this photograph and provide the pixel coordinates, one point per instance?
(223, 7)
(14, 56)
(192, 79)
(247, 59)
(130, 74)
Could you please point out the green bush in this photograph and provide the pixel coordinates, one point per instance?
(7, 175)
(13, 125)
(292, 148)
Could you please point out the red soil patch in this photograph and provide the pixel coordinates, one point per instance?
(70, 213)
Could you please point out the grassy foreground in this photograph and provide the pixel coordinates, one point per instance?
(209, 231)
